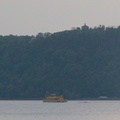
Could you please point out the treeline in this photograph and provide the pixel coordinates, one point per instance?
(78, 63)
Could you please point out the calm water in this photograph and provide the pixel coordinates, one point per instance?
(72, 110)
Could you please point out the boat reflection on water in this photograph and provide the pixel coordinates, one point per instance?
(54, 98)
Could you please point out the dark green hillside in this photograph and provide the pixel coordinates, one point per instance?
(79, 63)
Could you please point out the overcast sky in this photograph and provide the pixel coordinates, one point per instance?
(29, 17)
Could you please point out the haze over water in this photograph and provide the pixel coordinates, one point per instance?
(72, 110)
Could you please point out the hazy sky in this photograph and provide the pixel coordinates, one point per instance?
(29, 17)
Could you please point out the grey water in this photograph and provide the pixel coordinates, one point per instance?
(71, 110)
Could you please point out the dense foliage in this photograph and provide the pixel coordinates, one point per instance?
(75, 63)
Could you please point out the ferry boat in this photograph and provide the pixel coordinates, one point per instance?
(54, 98)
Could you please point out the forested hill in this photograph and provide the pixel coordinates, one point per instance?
(78, 63)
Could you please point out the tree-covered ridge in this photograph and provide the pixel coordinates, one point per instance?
(78, 63)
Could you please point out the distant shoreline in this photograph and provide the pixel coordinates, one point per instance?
(67, 99)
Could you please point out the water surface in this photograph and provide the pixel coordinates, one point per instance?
(72, 110)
